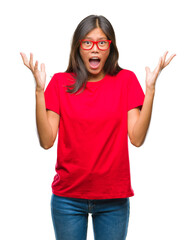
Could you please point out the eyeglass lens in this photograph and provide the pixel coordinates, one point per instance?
(101, 44)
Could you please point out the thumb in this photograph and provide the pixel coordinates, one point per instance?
(147, 70)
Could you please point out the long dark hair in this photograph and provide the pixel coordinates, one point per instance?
(76, 65)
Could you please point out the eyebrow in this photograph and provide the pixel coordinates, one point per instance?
(101, 38)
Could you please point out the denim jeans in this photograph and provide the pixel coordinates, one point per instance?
(70, 218)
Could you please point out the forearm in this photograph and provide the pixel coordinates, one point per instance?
(43, 126)
(142, 124)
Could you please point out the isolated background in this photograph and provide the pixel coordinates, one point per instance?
(162, 170)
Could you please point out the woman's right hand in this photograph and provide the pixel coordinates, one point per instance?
(40, 76)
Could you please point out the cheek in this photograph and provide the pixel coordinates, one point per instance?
(105, 56)
(83, 56)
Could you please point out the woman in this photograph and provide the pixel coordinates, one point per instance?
(94, 106)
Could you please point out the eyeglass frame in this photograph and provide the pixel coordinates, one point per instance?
(95, 42)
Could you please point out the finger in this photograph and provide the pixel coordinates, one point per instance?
(164, 57)
(31, 62)
(169, 60)
(42, 67)
(163, 60)
(157, 69)
(147, 70)
(23, 56)
(36, 66)
(25, 59)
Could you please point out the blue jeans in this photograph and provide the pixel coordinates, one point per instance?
(70, 218)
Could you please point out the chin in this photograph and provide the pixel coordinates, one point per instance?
(95, 71)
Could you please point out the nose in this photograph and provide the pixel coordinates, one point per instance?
(95, 48)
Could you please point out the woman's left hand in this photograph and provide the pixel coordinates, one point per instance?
(151, 77)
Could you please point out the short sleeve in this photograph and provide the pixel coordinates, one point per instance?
(51, 95)
(135, 92)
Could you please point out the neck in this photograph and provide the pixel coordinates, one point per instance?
(97, 77)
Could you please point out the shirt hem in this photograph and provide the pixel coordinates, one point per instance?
(94, 197)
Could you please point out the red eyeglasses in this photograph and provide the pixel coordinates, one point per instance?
(89, 44)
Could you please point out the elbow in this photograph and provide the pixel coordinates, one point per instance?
(137, 143)
(46, 146)
(136, 140)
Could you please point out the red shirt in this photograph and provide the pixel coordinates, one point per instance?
(92, 151)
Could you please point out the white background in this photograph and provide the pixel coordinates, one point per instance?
(163, 169)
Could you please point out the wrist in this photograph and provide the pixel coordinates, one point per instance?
(39, 90)
(150, 91)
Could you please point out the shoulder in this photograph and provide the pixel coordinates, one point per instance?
(125, 73)
(62, 77)
(126, 76)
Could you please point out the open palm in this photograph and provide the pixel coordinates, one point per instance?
(40, 76)
(151, 77)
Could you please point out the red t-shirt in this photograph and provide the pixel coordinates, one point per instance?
(92, 151)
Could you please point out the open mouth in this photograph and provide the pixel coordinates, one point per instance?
(94, 62)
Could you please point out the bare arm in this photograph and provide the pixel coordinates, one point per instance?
(139, 121)
(47, 121)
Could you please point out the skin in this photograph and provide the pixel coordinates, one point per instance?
(47, 121)
(95, 74)
(138, 121)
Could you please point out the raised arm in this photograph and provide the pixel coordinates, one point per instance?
(138, 121)
(47, 121)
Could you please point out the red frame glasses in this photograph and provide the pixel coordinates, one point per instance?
(95, 42)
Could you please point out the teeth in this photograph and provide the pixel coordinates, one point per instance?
(94, 58)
